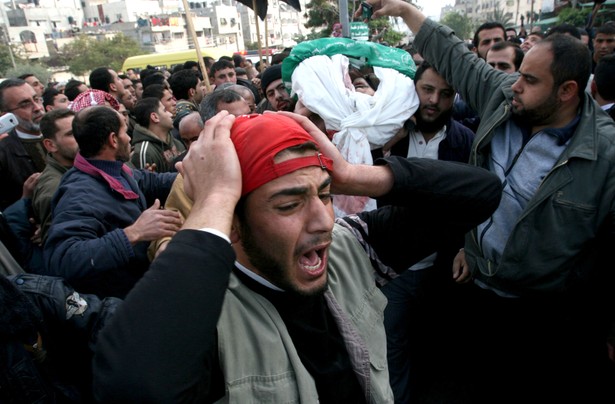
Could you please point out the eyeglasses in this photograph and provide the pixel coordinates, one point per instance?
(28, 104)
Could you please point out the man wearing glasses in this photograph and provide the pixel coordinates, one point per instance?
(22, 152)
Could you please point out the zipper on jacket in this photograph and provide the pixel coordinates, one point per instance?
(497, 122)
(474, 231)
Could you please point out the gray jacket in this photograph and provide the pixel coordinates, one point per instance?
(565, 231)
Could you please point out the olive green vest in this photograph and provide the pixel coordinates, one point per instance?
(257, 357)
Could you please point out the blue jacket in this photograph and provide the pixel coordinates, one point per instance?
(455, 147)
(86, 243)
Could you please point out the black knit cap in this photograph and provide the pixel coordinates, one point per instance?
(269, 75)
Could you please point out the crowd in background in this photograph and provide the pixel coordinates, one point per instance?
(91, 197)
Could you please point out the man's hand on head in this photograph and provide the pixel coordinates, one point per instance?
(212, 176)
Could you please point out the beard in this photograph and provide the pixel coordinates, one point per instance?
(435, 125)
(28, 126)
(270, 268)
(541, 114)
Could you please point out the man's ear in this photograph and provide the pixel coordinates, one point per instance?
(112, 140)
(235, 232)
(50, 146)
(191, 92)
(567, 90)
(153, 117)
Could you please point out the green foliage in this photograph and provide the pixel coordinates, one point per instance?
(391, 37)
(22, 67)
(86, 53)
(498, 15)
(573, 16)
(5, 60)
(461, 24)
(322, 13)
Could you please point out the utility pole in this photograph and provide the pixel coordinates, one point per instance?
(343, 10)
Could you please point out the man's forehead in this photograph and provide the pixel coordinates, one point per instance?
(64, 125)
(491, 33)
(23, 92)
(273, 85)
(225, 71)
(507, 53)
(304, 179)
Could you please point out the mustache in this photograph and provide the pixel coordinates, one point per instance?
(433, 106)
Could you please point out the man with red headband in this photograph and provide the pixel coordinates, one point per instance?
(262, 297)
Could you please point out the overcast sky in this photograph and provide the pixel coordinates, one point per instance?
(431, 8)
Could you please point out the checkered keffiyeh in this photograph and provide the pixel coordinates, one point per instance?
(93, 97)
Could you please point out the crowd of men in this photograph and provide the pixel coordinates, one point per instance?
(169, 236)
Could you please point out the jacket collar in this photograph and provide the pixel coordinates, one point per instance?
(82, 164)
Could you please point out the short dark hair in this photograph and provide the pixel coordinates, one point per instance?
(92, 126)
(48, 95)
(100, 78)
(488, 25)
(498, 46)
(25, 76)
(209, 105)
(604, 76)
(182, 81)
(208, 61)
(154, 78)
(153, 90)
(48, 123)
(608, 29)
(571, 60)
(189, 64)
(6, 84)
(144, 108)
(220, 65)
(72, 89)
(146, 72)
(237, 59)
(564, 29)
(423, 68)
(366, 73)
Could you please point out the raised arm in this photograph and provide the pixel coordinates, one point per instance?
(161, 346)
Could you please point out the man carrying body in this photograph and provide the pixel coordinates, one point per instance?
(541, 263)
(22, 153)
(289, 312)
(152, 139)
(505, 56)
(101, 222)
(57, 130)
(275, 91)
(422, 294)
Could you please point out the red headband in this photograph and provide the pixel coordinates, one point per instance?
(259, 138)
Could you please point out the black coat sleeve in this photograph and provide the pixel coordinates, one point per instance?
(161, 345)
(431, 201)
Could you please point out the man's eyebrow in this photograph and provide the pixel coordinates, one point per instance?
(299, 190)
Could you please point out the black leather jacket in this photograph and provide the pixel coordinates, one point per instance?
(47, 336)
